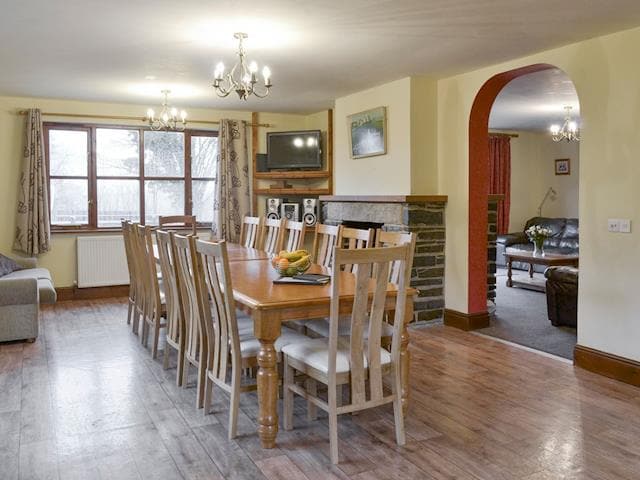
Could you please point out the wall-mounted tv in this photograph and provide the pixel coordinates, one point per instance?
(301, 150)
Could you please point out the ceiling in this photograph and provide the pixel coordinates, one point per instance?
(534, 102)
(317, 50)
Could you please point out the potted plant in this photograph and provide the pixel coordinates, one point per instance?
(537, 235)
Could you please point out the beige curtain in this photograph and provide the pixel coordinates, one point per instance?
(33, 230)
(231, 199)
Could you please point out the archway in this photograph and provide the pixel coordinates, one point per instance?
(479, 184)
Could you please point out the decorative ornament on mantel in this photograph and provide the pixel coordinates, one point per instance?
(569, 130)
(169, 118)
(242, 77)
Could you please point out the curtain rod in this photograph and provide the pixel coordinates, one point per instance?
(123, 117)
(512, 135)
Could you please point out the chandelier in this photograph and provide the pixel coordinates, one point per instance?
(242, 77)
(569, 130)
(169, 119)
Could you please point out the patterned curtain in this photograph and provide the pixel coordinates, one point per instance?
(231, 197)
(33, 230)
(500, 177)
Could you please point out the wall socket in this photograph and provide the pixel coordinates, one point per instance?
(619, 225)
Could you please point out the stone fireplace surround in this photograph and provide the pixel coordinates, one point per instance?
(422, 214)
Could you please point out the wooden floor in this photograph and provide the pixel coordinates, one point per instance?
(87, 402)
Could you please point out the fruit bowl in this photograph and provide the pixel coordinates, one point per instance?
(289, 264)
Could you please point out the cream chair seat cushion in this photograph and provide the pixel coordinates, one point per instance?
(321, 327)
(315, 353)
(250, 345)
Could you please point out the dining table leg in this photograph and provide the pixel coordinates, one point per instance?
(405, 355)
(267, 330)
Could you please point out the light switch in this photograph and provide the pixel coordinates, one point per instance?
(625, 225)
(614, 225)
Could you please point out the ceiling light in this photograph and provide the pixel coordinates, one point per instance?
(569, 130)
(169, 118)
(241, 78)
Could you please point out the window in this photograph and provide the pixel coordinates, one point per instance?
(101, 174)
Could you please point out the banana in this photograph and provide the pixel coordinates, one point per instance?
(302, 262)
(293, 256)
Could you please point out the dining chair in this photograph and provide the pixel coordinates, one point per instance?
(126, 237)
(294, 232)
(166, 222)
(195, 354)
(394, 239)
(272, 236)
(250, 231)
(353, 238)
(230, 346)
(153, 310)
(324, 244)
(175, 332)
(358, 360)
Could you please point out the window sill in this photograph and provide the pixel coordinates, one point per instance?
(93, 231)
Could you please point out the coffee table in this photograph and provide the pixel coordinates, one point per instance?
(548, 259)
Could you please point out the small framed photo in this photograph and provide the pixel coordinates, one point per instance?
(563, 166)
(368, 133)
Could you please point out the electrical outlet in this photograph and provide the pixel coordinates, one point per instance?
(613, 225)
(625, 225)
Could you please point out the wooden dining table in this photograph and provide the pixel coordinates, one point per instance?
(271, 304)
(235, 252)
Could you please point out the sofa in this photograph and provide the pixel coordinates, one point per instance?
(562, 296)
(21, 293)
(564, 240)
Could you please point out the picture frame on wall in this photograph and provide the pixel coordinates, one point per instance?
(368, 133)
(563, 166)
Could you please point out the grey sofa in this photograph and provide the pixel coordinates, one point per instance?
(21, 293)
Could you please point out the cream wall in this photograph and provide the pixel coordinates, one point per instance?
(410, 164)
(533, 172)
(61, 260)
(606, 77)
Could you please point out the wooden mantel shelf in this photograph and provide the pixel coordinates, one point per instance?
(384, 198)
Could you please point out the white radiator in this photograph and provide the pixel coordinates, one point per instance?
(102, 261)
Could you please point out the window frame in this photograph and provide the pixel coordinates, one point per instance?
(92, 177)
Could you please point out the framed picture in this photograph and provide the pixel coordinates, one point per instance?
(563, 166)
(368, 133)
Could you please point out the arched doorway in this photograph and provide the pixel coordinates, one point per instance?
(479, 183)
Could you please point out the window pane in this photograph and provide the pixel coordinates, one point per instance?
(163, 197)
(204, 151)
(69, 202)
(203, 200)
(163, 154)
(117, 152)
(68, 152)
(118, 199)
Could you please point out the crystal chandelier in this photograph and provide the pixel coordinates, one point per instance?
(169, 119)
(242, 77)
(569, 130)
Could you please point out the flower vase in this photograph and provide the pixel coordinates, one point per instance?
(538, 249)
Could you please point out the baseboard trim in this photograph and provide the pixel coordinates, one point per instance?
(466, 321)
(93, 293)
(619, 368)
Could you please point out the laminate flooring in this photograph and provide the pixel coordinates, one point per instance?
(86, 401)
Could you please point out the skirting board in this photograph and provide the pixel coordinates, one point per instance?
(619, 368)
(75, 293)
(466, 321)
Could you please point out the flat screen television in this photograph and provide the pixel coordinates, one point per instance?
(299, 150)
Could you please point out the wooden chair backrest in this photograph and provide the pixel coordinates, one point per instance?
(368, 312)
(126, 237)
(250, 231)
(217, 308)
(395, 239)
(272, 237)
(353, 238)
(324, 244)
(185, 265)
(146, 264)
(173, 300)
(295, 232)
(179, 221)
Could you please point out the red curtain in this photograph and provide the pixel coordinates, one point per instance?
(500, 177)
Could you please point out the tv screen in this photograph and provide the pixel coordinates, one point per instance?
(294, 150)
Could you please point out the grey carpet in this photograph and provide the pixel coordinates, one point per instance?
(521, 317)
